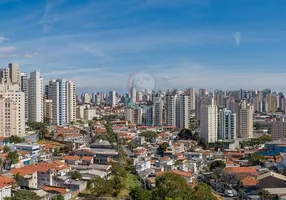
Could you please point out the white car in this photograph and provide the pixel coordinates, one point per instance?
(228, 193)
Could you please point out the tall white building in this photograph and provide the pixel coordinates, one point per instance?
(171, 110)
(209, 122)
(129, 115)
(192, 100)
(11, 76)
(62, 94)
(133, 94)
(245, 120)
(35, 97)
(71, 101)
(182, 113)
(226, 125)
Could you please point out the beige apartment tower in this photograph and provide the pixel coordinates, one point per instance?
(48, 110)
(244, 120)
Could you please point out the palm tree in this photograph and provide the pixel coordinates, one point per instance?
(264, 194)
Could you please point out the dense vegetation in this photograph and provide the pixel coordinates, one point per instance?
(24, 195)
(256, 141)
(187, 134)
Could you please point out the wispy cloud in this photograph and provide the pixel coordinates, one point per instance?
(70, 71)
(30, 55)
(2, 39)
(7, 48)
(237, 38)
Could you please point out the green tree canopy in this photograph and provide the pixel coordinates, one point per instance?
(162, 148)
(24, 195)
(217, 164)
(13, 157)
(58, 197)
(6, 149)
(256, 159)
(15, 139)
(149, 135)
(138, 193)
(76, 175)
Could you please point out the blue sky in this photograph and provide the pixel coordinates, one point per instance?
(225, 44)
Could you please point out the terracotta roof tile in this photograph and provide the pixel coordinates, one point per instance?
(6, 180)
(55, 189)
(240, 170)
(180, 173)
(248, 181)
(74, 158)
(87, 158)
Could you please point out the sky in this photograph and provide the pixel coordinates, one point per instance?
(99, 44)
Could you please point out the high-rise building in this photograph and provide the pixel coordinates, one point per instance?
(14, 73)
(171, 110)
(129, 116)
(209, 122)
(244, 126)
(220, 99)
(271, 102)
(13, 106)
(192, 100)
(86, 98)
(133, 93)
(71, 101)
(137, 116)
(202, 93)
(226, 125)
(182, 106)
(112, 99)
(278, 129)
(157, 114)
(62, 94)
(48, 110)
(24, 88)
(11, 76)
(149, 116)
(35, 97)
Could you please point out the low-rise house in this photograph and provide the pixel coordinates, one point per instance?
(5, 190)
(101, 144)
(87, 160)
(249, 182)
(190, 155)
(83, 152)
(32, 149)
(233, 155)
(58, 190)
(72, 160)
(142, 165)
(75, 185)
(241, 171)
(26, 178)
(271, 180)
(88, 175)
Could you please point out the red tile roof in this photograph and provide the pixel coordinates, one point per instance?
(55, 189)
(6, 180)
(87, 158)
(180, 173)
(240, 170)
(249, 181)
(73, 158)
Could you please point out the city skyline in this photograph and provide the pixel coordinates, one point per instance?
(203, 44)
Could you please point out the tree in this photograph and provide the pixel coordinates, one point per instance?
(100, 187)
(12, 157)
(162, 148)
(171, 186)
(58, 197)
(1, 164)
(15, 139)
(76, 175)
(264, 194)
(217, 164)
(138, 193)
(149, 135)
(196, 136)
(24, 195)
(202, 142)
(185, 134)
(256, 159)
(117, 185)
(203, 191)
(257, 125)
(6, 149)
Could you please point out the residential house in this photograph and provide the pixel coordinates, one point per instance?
(101, 144)
(87, 160)
(88, 175)
(71, 160)
(26, 178)
(249, 182)
(190, 155)
(58, 190)
(241, 171)
(5, 190)
(271, 180)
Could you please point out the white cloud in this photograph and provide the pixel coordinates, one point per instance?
(237, 38)
(3, 39)
(31, 55)
(70, 71)
(7, 48)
